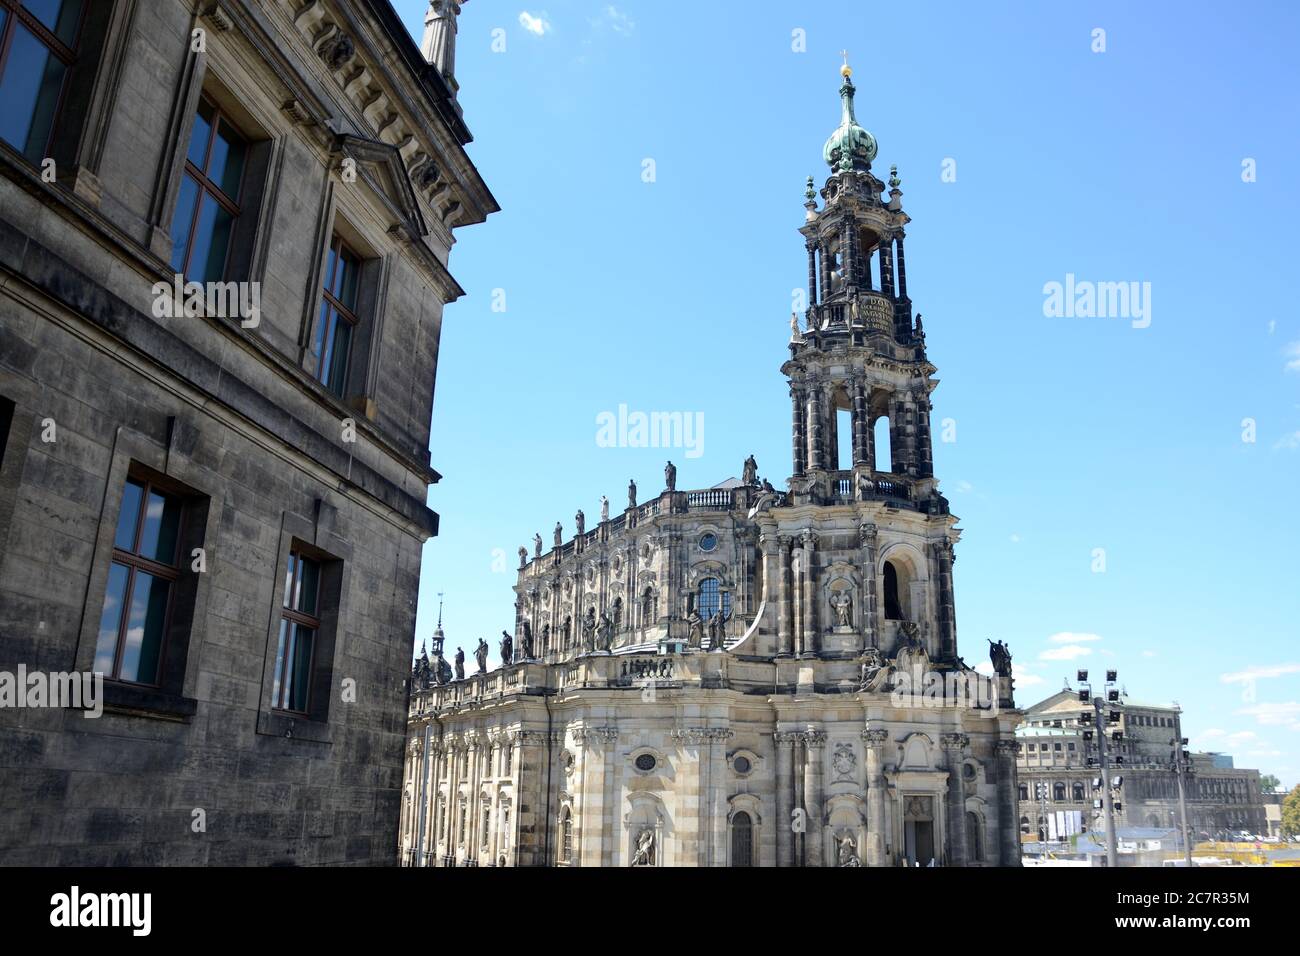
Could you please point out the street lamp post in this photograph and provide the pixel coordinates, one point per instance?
(1101, 723)
(1180, 761)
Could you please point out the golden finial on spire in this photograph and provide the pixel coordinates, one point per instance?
(845, 71)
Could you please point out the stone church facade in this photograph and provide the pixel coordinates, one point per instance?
(741, 675)
(221, 512)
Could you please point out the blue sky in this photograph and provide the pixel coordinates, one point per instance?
(1072, 434)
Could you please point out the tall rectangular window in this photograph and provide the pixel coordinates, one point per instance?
(208, 203)
(299, 625)
(338, 316)
(38, 44)
(141, 584)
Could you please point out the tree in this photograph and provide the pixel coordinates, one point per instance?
(1269, 784)
(1291, 814)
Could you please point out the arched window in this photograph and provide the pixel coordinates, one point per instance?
(895, 599)
(1024, 791)
(843, 434)
(884, 454)
(710, 595)
(1078, 792)
(1058, 792)
(1024, 825)
(649, 611)
(618, 614)
(974, 837)
(742, 839)
(566, 835)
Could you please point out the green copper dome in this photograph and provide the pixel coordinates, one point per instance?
(850, 146)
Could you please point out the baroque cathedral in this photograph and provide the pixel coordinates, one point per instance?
(741, 675)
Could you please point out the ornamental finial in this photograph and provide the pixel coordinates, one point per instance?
(845, 71)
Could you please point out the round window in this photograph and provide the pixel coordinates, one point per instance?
(742, 765)
(645, 763)
(708, 542)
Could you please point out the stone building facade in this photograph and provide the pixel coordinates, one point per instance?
(217, 499)
(741, 675)
(1054, 753)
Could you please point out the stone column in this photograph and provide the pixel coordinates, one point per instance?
(1008, 803)
(923, 446)
(823, 252)
(814, 742)
(875, 745)
(886, 269)
(902, 269)
(784, 619)
(816, 459)
(797, 431)
(870, 626)
(954, 750)
(808, 639)
(717, 800)
(941, 561)
(784, 797)
(861, 427)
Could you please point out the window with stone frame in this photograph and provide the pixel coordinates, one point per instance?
(300, 624)
(338, 319)
(39, 52)
(149, 595)
(711, 597)
(208, 206)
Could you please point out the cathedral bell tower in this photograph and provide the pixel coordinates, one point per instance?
(860, 356)
(860, 385)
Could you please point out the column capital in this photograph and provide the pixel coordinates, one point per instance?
(955, 742)
(875, 738)
(1007, 748)
(786, 738)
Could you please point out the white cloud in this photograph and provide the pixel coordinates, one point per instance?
(1067, 652)
(1272, 324)
(1290, 440)
(1285, 714)
(1015, 539)
(1259, 673)
(965, 487)
(1071, 637)
(1292, 353)
(1148, 653)
(536, 25)
(617, 20)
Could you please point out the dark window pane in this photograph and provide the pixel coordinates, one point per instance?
(324, 339)
(301, 668)
(308, 585)
(110, 619)
(59, 16)
(127, 518)
(211, 237)
(162, 522)
(330, 259)
(144, 628)
(198, 152)
(338, 365)
(186, 203)
(227, 163)
(29, 91)
(346, 283)
(285, 628)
